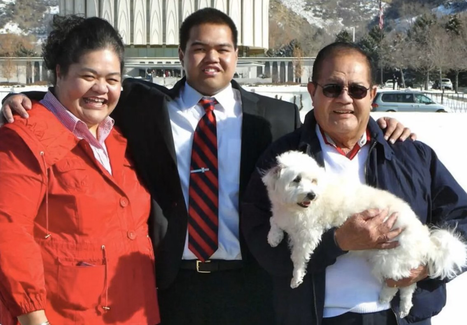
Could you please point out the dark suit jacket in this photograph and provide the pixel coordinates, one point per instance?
(143, 117)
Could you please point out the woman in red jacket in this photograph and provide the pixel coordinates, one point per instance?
(74, 245)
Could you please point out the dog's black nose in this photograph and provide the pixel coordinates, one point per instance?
(311, 196)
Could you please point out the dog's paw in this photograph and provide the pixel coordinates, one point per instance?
(403, 313)
(385, 298)
(295, 283)
(405, 310)
(275, 238)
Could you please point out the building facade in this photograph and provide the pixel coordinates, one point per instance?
(150, 31)
(150, 28)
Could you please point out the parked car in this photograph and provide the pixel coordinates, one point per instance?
(405, 101)
(445, 84)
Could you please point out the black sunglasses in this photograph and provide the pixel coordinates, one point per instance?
(334, 90)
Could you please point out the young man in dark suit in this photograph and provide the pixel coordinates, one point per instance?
(229, 287)
(159, 124)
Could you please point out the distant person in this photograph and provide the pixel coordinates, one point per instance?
(228, 286)
(339, 288)
(73, 215)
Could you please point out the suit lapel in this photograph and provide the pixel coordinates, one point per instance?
(252, 113)
(252, 139)
(163, 120)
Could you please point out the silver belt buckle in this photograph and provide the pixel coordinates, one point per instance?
(198, 263)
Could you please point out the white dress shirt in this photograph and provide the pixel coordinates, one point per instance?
(350, 286)
(185, 113)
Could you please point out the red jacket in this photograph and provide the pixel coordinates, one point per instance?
(73, 238)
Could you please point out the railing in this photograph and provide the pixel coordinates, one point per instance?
(457, 102)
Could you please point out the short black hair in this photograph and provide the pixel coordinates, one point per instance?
(72, 36)
(205, 16)
(336, 49)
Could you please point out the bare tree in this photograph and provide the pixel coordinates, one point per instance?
(298, 64)
(438, 47)
(396, 53)
(8, 69)
(17, 45)
(418, 44)
(8, 44)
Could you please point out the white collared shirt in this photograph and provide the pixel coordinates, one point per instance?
(350, 274)
(185, 113)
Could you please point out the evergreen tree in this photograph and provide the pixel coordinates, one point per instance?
(344, 36)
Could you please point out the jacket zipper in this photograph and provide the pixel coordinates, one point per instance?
(318, 322)
(372, 146)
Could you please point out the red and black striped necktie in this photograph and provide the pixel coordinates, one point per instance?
(204, 188)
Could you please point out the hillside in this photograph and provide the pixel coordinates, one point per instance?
(314, 23)
(310, 23)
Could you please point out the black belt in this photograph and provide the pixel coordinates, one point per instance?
(211, 265)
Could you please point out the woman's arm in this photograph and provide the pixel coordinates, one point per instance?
(22, 188)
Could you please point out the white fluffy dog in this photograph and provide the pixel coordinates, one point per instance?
(306, 202)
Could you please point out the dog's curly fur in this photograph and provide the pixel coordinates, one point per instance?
(306, 202)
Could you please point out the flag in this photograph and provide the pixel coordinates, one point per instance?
(381, 20)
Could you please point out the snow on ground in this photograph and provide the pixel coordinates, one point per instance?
(299, 7)
(445, 133)
(53, 10)
(11, 28)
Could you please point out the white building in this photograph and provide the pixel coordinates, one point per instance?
(150, 30)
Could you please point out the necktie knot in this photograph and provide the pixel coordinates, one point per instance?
(208, 103)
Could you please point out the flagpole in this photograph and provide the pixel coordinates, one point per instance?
(381, 23)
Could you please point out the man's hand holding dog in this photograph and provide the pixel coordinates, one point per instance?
(371, 229)
(416, 275)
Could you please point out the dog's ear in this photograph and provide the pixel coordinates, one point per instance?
(276, 171)
(271, 176)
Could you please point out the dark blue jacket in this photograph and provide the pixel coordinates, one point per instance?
(410, 170)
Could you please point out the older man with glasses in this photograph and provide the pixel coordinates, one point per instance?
(340, 134)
